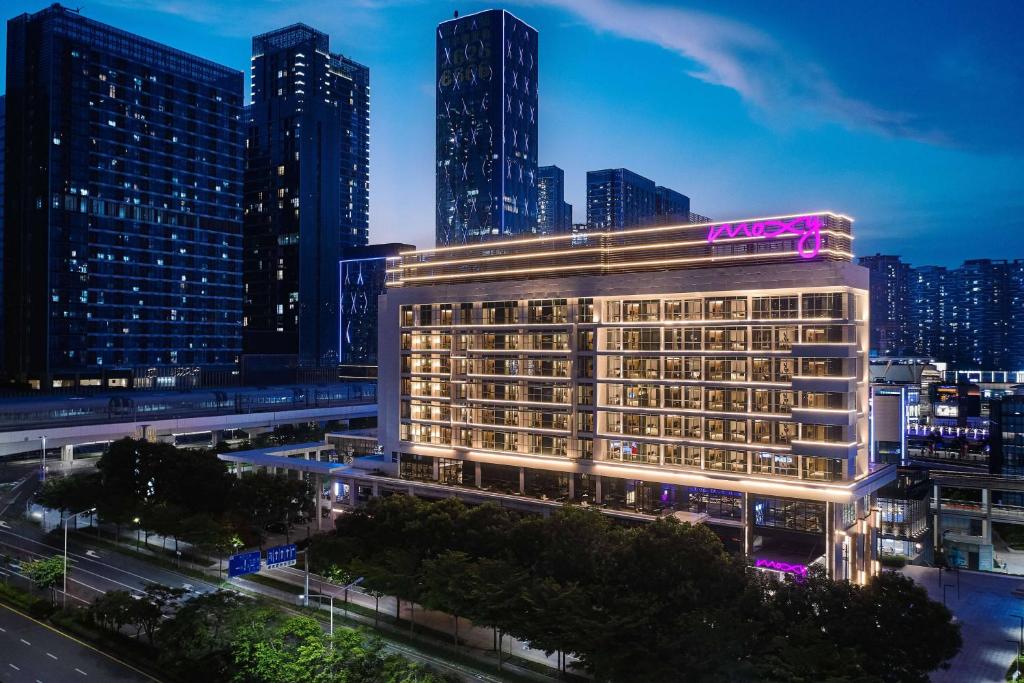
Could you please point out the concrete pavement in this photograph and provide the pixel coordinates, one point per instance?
(31, 651)
(987, 609)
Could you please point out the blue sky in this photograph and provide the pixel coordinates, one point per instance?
(906, 116)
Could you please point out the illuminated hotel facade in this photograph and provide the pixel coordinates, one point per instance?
(717, 372)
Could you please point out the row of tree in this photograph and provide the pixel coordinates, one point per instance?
(182, 494)
(223, 636)
(661, 601)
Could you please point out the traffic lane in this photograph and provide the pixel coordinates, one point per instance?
(99, 566)
(32, 651)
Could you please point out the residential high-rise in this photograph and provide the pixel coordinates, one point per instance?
(306, 191)
(889, 280)
(486, 171)
(619, 199)
(554, 214)
(363, 271)
(929, 312)
(670, 207)
(983, 315)
(649, 373)
(123, 221)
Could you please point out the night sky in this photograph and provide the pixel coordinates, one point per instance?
(907, 116)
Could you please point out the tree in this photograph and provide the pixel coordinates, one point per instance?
(45, 573)
(446, 583)
(196, 642)
(70, 494)
(112, 610)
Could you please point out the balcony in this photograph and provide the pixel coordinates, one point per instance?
(824, 449)
(825, 349)
(825, 416)
(843, 385)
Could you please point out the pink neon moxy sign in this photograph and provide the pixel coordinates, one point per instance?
(807, 230)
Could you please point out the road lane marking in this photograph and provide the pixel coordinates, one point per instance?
(25, 641)
(51, 656)
(79, 642)
(14, 667)
(81, 672)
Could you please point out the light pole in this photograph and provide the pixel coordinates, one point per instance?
(138, 535)
(66, 521)
(351, 585)
(330, 598)
(42, 441)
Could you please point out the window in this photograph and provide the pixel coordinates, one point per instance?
(674, 426)
(673, 367)
(823, 469)
(641, 339)
(673, 397)
(693, 309)
(585, 310)
(674, 310)
(673, 338)
(775, 307)
(546, 311)
(778, 464)
(641, 311)
(499, 312)
(585, 340)
(823, 305)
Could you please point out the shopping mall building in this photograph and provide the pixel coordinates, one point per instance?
(715, 372)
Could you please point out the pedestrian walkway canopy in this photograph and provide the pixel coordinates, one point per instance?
(303, 457)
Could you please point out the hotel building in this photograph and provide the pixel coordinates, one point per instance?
(715, 372)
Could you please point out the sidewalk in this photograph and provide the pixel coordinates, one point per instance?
(987, 610)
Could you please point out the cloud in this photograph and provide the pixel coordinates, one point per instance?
(766, 73)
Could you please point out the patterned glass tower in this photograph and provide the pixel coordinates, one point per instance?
(306, 191)
(123, 235)
(554, 213)
(486, 128)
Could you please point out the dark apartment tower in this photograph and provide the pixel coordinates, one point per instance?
(929, 313)
(554, 214)
(1006, 415)
(888, 302)
(123, 235)
(987, 315)
(670, 207)
(618, 199)
(486, 170)
(306, 191)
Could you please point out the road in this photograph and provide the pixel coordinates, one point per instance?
(33, 652)
(93, 569)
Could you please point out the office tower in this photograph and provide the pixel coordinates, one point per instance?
(1006, 416)
(362, 275)
(618, 199)
(670, 207)
(728, 387)
(486, 170)
(889, 279)
(306, 186)
(929, 312)
(985, 292)
(554, 214)
(123, 235)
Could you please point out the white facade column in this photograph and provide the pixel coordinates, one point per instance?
(67, 454)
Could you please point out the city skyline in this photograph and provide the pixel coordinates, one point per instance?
(706, 114)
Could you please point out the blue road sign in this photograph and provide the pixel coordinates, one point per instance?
(244, 563)
(281, 556)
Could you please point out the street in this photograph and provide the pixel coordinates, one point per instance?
(93, 569)
(31, 651)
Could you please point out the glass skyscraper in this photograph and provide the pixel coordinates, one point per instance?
(486, 114)
(123, 235)
(363, 271)
(306, 191)
(670, 207)
(554, 214)
(619, 199)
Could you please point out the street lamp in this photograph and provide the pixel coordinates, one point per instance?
(351, 585)
(66, 521)
(138, 534)
(42, 441)
(329, 597)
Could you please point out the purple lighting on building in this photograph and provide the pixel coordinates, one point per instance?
(806, 228)
(798, 570)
